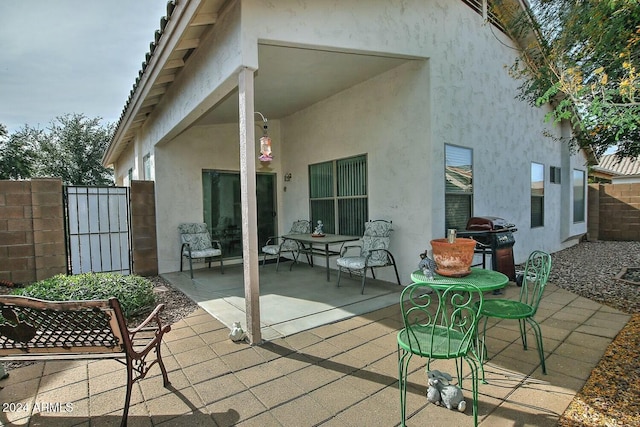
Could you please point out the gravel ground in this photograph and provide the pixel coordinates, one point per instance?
(611, 395)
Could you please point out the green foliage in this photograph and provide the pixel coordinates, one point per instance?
(70, 149)
(135, 293)
(583, 57)
(17, 155)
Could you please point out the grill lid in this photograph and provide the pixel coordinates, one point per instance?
(487, 223)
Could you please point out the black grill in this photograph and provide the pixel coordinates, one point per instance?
(495, 237)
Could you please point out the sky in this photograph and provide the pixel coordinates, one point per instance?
(71, 56)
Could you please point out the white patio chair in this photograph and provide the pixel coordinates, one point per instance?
(278, 245)
(373, 252)
(196, 243)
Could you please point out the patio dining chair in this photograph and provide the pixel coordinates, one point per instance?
(279, 245)
(534, 281)
(196, 243)
(373, 252)
(439, 324)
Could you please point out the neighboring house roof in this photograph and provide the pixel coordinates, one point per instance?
(613, 166)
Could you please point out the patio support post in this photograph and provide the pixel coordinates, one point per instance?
(250, 255)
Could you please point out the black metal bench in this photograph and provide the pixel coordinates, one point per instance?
(33, 329)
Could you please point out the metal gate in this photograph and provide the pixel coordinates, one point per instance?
(98, 229)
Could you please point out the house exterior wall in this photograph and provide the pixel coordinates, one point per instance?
(458, 93)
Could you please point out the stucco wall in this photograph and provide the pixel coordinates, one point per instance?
(460, 93)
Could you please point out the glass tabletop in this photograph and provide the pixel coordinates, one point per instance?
(486, 280)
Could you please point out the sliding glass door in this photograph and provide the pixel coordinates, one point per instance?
(222, 208)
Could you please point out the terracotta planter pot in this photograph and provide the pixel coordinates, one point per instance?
(453, 259)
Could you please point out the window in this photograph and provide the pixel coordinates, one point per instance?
(554, 175)
(130, 176)
(458, 197)
(537, 195)
(146, 167)
(338, 195)
(578, 195)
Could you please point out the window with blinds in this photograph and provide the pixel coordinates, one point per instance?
(458, 197)
(578, 195)
(537, 195)
(338, 195)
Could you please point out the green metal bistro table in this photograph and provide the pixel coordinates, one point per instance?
(308, 241)
(486, 280)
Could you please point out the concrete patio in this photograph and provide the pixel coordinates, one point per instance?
(343, 373)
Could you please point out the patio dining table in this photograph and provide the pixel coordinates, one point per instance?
(308, 241)
(485, 280)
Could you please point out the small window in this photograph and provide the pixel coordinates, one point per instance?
(130, 177)
(146, 167)
(578, 195)
(554, 175)
(458, 197)
(537, 195)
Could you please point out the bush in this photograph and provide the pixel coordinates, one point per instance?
(135, 293)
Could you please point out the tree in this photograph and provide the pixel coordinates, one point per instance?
(17, 155)
(71, 149)
(582, 56)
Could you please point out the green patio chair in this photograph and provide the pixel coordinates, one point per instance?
(373, 252)
(439, 324)
(196, 243)
(536, 274)
(279, 245)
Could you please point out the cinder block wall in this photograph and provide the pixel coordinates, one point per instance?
(143, 228)
(619, 212)
(31, 230)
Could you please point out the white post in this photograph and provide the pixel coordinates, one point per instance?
(250, 256)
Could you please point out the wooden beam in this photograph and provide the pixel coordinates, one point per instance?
(166, 78)
(188, 44)
(174, 63)
(205, 19)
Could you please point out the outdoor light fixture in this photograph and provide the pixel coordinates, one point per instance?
(265, 142)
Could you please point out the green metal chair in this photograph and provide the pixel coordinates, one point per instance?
(536, 274)
(439, 324)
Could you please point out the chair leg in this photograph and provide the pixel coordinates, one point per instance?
(397, 276)
(278, 262)
(339, 273)
(474, 387)
(127, 399)
(364, 279)
(191, 266)
(221, 265)
(295, 255)
(483, 349)
(536, 329)
(523, 333)
(403, 368)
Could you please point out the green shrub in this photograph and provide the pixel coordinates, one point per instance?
(135, 293)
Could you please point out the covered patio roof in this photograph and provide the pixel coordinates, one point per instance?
(289, 78)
